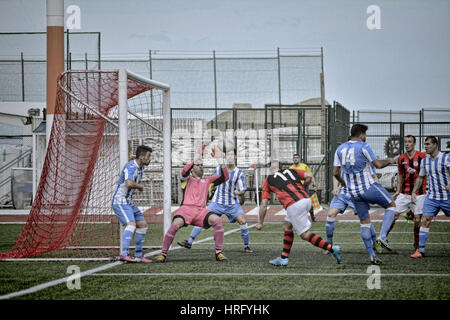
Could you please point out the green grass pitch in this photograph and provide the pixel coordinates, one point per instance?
(195, 275)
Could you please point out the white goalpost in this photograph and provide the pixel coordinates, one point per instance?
(124, 76)
(100, 118)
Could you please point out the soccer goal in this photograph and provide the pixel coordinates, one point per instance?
(100, 118)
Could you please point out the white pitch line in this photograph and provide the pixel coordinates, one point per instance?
(280, 274)
(91, 272)
(172, 210)
(306, 243)
(281, 213)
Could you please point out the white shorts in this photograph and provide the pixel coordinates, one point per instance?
(404, 204)
(297, 214)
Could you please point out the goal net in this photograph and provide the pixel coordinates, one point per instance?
(100, 118)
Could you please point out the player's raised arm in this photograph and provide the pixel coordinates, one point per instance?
(186, 170)
(224, 175)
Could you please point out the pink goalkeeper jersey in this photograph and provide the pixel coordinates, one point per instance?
(195, 191)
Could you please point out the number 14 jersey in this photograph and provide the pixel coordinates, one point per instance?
(354, 158)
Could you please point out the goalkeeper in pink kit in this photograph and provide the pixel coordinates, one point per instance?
(193, 209)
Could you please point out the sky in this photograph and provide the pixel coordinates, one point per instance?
(404, 65)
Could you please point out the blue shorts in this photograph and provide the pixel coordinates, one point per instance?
(127, 213)
(376, 194)
(431, 207)
(341, 202)
(232, 211)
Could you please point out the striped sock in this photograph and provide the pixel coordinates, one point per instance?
(288, 240)
(416, 235)
(317, 241)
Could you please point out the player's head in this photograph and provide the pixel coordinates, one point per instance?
(410, 142)
(358, 131)
(296, 159)
(197, 168)
(143, 153)
(431, 144)
(230, 157)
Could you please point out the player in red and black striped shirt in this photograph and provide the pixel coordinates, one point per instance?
(292, 195)
(408, 171)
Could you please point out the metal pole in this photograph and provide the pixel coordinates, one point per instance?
(215, 87)
(23, 76)
(322, 110)
(279, 76)
(67, 49)
(86, 61)
(151, 77)
(99, 52)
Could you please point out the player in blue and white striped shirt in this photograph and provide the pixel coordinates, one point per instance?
(437, 167)
(341, 200)
(126, 211)
(226, 201)
(354, 158)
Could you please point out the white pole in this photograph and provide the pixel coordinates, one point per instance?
(123, 127)
(167, 161)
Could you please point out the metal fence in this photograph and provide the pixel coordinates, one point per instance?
(198, 80)
(258, 135)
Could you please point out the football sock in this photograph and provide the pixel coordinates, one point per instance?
(392, 227)
(423, 237)
(194, 233)
(288, 240)
(245, 234)
(317, 241)
(366, 235)
(126, 239)
(388, 218)
(329, 228)
(218, 234)
(168, 238)
(373, 232)
(416, 235)
(139, 239)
